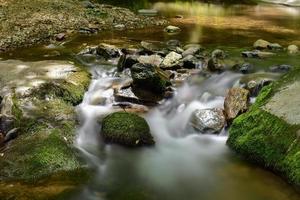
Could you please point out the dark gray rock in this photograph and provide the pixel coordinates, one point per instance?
(280, 68)
(246, 68)
(147, 77)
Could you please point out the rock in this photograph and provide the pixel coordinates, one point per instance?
(10, 135)
(6, 123)
(280, 68)
(218, 53)
(192, 50)
(293, 49)
(191, 62)
(172, 29)
(154, 60)
(268, 134)
(147, 77)
(127, 61)
(128, 94)
(246, 68)
(148, 12)
(261, 44)
(275, 46)
(236, 102)
(107, 51)
(171, 60)
(255, 86)
(120, 26)
(208, 120)
(257, 54)
(213, 65)
(60, 37)
(126, 129)
(88, 51)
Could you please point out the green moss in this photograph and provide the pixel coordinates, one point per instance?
(127, 129)
(45, 144)
(70, 90)
(266, 139)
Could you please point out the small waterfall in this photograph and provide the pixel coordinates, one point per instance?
(179, 156)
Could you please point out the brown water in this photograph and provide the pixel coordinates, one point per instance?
(183, 165)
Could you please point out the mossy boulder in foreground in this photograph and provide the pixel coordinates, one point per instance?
(268, 134)
(126, 129)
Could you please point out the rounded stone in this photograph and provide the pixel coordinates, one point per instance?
(126, 129)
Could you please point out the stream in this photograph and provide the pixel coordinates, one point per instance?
(183, 165)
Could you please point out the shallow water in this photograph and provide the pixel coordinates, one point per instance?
(183, 164)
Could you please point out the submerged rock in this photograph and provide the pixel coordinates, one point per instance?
(147, 77)
(236, 102)
(126, 129)
(208, 120)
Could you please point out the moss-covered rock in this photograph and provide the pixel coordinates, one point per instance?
(46, 119)
(126, 129)
(267, 138)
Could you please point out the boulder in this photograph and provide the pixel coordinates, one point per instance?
(191, 62)
(172, 60)
(293, 49)
(107, 51)
(280, 68)
(236, 102)
(136, 96)
(218, 53)
(214, 64)
(126, 129)
(172, 29)
(192, 50)
(246, 68)
(147, 77)
(154, 60)
(261, 44)
(268, 134)
(275, 46)
(255, 86)
(257, 54)
(208, 120)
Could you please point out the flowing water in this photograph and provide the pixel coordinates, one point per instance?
(183, 165)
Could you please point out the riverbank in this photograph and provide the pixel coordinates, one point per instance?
(31, 22)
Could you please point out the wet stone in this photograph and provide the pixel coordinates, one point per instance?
(208, 120)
